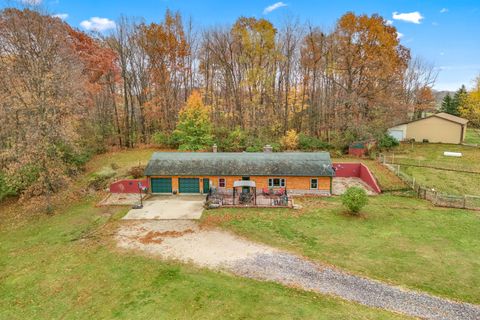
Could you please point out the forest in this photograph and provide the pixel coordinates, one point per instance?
(66, 95)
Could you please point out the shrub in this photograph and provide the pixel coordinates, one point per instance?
(387, 142)
(235, 140)
(290, 140)
(354, 199)
(23, 178)
(99, 179)
(309, 143)
(136, 172)
(162, 139)
(5, 189)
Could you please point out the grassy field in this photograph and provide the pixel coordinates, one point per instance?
(472, 136)
(400, 240)
(431, 155)
(66, 266)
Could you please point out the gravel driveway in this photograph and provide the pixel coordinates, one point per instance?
(216, 249)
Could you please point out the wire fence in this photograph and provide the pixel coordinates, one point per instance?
(440, 199)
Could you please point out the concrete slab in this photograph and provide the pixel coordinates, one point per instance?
(169, 208)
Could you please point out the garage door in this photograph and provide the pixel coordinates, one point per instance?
(188, 185)
(161, 185)
(397, 134)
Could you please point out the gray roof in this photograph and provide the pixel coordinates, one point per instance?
(310, 164)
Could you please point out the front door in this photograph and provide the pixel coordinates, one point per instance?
(206, 185)
(245, 189)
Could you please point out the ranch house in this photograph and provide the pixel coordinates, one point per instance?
(298, 173)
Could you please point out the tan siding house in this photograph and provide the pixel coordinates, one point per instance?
(437, 128)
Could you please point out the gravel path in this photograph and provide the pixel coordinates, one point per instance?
(183, 240)
(294, 271)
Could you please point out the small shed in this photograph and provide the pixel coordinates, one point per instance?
(360, 148)
(439, 128)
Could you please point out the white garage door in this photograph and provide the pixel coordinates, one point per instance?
(397, 134)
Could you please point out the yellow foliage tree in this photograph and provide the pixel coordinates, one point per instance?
(290, 140)
(470, 109)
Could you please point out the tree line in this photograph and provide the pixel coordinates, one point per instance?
(65, 94)
(464, 103)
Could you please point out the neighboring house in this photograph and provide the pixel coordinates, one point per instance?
(197, 172)
(440, 127)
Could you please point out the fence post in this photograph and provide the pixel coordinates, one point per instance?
(398, 169)
(413, 183)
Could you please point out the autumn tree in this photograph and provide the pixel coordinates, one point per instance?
(42, 88)
(168, 51)
(424, 102)
(469, 107)
(194, 128)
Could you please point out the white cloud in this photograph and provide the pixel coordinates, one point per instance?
(62, 16)
(389, 22)
(413, 17)
(399, 35)
(97, 24)
(274, 6)
(31, 2)
(444, 10)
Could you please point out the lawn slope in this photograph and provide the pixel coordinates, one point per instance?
(399, 240)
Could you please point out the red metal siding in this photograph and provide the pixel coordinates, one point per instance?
(359, 170)
(127, 185)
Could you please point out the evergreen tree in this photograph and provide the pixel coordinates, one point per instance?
(460, 99)
(194, 128)
(448, 105)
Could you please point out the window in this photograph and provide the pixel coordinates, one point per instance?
(313, 183)
(276, 182)
(221, 183)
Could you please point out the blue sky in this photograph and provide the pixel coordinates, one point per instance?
(445, 33)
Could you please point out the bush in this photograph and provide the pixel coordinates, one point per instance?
(309, 143)
(290, 140)
(387, 142)
(99, 179)
(136, 172)
(162, 139)
(235, 140)
(354, 199)
(23, 178)
(5, 189)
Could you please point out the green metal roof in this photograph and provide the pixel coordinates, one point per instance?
(310, 164)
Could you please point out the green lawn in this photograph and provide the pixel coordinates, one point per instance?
(400, 240)
(65, 266)
(472, 136)
(431, 155)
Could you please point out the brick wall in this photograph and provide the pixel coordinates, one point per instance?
(291, 183)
